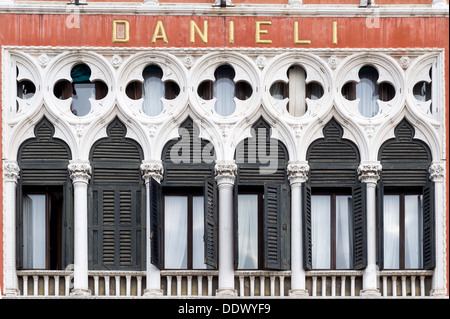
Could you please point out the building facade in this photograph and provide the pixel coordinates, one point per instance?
(224, 148)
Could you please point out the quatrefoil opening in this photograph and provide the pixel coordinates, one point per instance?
(368, 91)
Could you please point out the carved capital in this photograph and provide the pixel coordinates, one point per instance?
(437, 172)
(225, 172)
(11, 171)
(298, 172)
(80, 172)
(369, 172)
(151, 169)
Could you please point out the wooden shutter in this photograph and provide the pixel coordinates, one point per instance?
(429, 254)
(156, 224)
(235, 222)
(276, 226)
(380, 230)
(68, 244)
(211, 223)
(306, 218)
(359, 227)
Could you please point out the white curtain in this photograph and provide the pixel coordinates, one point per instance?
(297, 91)
(153, 91)
(320, 231)
(344, 232)
(277, 90)
(80, 100)
(367, 92)
(34, 231)
(391, 236)
(413, 233)
(248, 231)
(175, 232)
(198, 222)
(224, 91)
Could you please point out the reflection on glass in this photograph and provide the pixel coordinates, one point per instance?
(248, 231)
(344, 231)
(198, 259)
(413, 231)
(391, 236)
(34, 231)
(175, 232)
(81, 95)
(320, 231)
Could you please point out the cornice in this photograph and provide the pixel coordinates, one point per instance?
(285, 10)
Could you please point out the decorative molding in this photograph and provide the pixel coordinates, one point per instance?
(225, 172)
(404, 62)
(151, 169)
(369, 172)
(298, 172)
(80, 172)
(11, 171)
(437, 172)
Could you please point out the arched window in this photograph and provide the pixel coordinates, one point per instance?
(262, 202)
(45, 205)
(405, 203)
(334, 204)
(116, 202)
(152, 90)
(80, 89)
(224, 90)
(297, 90)
(184, 206)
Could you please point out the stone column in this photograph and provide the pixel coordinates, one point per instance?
(10, 177)
(225, 172)
(439, 283)
(297, 175)
(151, 169)
(80, 173)
(369, 173)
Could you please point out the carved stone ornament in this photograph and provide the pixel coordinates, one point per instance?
(225, 172)
(404, 62)
(369, 172)
(333, 62)
(261, 61)
(116, 60)
(298, 172)
(43, 60)
(80, 171)
(188, 61)
(11, 171)
(437, 172)
(152, 169)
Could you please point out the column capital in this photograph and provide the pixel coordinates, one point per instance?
(369, 172)
(11, 171)
(151, 169)
(80, 171)
(437, 171)
(297, 172)
(225, 172)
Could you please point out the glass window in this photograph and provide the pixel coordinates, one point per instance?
(184, 232)
(331, 228)
(402, 238)
(248, 231)
(34, 231)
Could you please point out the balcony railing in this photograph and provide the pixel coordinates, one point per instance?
(203, 284)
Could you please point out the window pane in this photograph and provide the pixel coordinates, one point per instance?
(154, 90)
(367, 91)
(81, 95)
(391, 224)
(34, 231)
(344, 231)
(175, 232)
(224, 90)
(198, 231)
(320, 224)
(248, 231)
(413, 233)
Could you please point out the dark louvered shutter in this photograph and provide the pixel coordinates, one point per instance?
(380, 230)
(67, 245)
(306, 219)
(235, 222)
(359, 227)
(156, 224)
(117, 199)
(276, 227)
(211, 223)
(429, 254)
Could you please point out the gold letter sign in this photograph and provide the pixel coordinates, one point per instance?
(121, 31)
